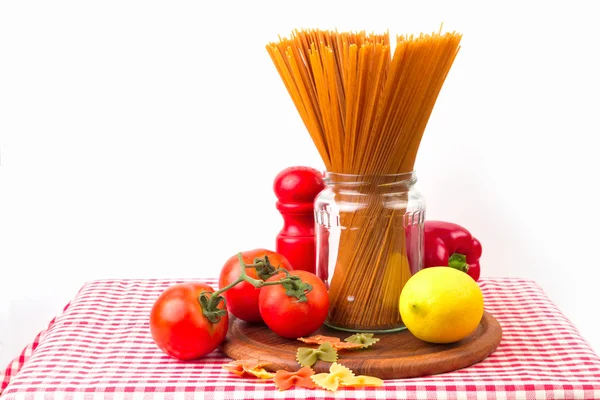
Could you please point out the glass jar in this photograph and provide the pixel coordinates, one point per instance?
(369, 235)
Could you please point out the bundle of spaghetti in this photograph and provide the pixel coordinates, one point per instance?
(366, 106)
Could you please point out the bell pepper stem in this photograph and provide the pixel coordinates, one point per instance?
(459, 262)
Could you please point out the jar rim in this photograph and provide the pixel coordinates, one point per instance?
(345, 178)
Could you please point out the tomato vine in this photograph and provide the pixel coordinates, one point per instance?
(294, 287)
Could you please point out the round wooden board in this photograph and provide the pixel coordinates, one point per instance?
(396, 355)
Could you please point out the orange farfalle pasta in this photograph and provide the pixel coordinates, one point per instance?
(234, 368)
(347, 346)
(335, 342)
(252, 367)
(319, 339)
(301, 378)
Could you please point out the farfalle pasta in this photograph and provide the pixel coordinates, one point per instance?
(301, 378)
(319, 339)
(365, 339)
(307, 356)
(347, 346)
(252, 367)
(336, 342)
(331, 381)
(341, 376)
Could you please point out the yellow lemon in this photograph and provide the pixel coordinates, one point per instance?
(441, 305)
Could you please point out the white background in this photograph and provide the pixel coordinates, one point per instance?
(140, 139)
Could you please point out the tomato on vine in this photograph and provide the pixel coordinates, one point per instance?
(186, 322)
(296, 307)
(242, 299)
(190, 320)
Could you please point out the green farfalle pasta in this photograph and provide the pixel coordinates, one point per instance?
(325, 352)
(366, 339)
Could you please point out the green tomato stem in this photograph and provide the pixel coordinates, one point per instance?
(279, 282)
(243, 277)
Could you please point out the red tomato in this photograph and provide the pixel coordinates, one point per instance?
(242, 299)
(288, 317)
(178, 326)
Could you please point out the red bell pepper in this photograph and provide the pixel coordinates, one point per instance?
(449, 244)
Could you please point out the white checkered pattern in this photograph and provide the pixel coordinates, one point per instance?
(100, 347)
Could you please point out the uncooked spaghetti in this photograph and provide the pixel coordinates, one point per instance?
(366, 107)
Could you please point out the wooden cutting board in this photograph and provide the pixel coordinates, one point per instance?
(396, 355)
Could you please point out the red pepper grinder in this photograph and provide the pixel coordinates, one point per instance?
(296, 188)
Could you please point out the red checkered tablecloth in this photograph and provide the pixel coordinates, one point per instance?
(100, 347)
